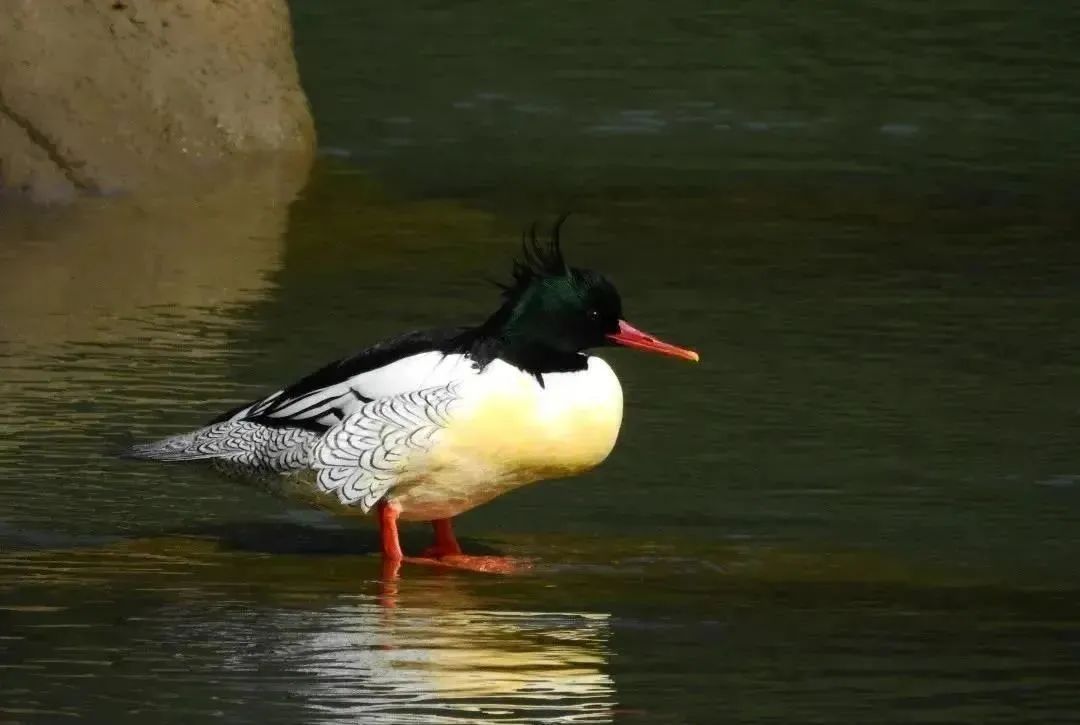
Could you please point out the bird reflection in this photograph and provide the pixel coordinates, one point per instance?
(461, 666)
(345, 645)
(393, 660)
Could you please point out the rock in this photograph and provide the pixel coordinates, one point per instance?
(105, 96)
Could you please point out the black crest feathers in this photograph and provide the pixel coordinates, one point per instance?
(539, 258)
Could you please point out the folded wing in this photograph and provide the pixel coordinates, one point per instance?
(328, 396)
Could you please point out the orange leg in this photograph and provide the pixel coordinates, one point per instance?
(391, 544)
(446, 551)
(445, 542)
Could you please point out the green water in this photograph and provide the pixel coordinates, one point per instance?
(862, 506)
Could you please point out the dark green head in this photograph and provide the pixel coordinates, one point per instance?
(558, 311)
(567, 312)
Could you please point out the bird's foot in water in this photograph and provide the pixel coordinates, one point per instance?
(445, 553)
(439, 551)
(466, 562)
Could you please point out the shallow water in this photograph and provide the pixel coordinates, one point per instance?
(861, 506)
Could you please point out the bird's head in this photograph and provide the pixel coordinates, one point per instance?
(550, 305)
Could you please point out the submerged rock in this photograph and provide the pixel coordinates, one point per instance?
(105, 96)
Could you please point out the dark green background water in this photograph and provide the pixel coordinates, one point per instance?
(862, 506)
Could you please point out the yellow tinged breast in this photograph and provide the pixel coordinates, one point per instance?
(527, 431)
(508, 431)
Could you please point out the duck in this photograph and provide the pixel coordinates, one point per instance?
(430, 424)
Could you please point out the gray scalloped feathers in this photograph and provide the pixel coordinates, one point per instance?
(256, 447)
(361, 458)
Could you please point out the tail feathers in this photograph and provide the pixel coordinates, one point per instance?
(211, 442)
(245, 443)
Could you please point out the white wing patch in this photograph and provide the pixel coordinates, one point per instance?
(361, 458)
(329, 405)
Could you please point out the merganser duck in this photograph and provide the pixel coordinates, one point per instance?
(428, 425)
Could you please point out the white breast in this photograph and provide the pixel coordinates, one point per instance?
(507, 431)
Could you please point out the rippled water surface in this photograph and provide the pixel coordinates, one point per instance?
(862, 506)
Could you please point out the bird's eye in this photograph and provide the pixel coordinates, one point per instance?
(594, 315)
